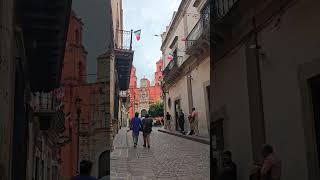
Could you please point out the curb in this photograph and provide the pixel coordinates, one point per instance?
(203, 141)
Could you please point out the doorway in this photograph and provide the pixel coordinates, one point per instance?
(104, 164)
(208, 106)
(314, 84)
(177, 108)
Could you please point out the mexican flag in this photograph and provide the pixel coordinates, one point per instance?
(170, 56)
(137, 33)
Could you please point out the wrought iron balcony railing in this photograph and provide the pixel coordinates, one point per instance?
(222, 7)
(201, 26)
(49, 112)
(175, 62)
(42, 102)
(123, 40)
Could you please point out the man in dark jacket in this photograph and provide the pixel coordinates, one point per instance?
(181, 121)
(229, 169)
(146, 129)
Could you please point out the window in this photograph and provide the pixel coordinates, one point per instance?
(175, 54)
(77, 37)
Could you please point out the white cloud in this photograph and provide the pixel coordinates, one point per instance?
(151, 16)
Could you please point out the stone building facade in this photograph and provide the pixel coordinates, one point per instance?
(142, 97)
(90, 130)
(73, 76)
(93, 124)
(186, 59)
(266, 84)
(7, 67)
(30, 66)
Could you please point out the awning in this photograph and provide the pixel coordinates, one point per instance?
(124, 60)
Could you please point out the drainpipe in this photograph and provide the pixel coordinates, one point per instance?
(255, 94)
(190, 95)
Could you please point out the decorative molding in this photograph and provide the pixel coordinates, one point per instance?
(177, 18)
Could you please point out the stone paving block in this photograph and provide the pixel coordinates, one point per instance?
(168, 158)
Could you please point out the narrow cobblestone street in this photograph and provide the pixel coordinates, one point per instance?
(169, 157)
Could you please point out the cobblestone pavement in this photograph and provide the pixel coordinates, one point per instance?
(170, 157)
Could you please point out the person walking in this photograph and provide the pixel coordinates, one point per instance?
(146, 129)
(191, 132)
(195, 121)
(168, 120)
(85, 171)
(181, 121)
(135, 126)
(229, 168)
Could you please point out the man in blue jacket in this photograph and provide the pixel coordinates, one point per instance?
(135, 126)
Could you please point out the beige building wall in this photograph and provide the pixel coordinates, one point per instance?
(297, 43)
(200, 80)
(231, 104)
(7, 66)
(288, 47)
(178, 91)
(182, 25)
(117, 19)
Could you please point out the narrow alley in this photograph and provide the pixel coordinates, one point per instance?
(169, 157)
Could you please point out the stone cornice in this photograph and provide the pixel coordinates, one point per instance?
(179, 14)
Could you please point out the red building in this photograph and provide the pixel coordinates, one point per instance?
(73, 75)
(141, 98)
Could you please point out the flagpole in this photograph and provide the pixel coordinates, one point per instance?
(131, 40)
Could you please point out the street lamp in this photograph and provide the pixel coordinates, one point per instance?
(78, 108)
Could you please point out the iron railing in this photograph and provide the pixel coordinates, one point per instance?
(45, 104)
(175, 62)
(42, 102)
(123, 40)
(202, 25)
(222, 7)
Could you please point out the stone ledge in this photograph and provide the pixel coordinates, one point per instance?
(202, 140)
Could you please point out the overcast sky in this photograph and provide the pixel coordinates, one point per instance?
(151, 16)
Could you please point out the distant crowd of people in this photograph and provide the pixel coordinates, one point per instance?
(192, 118)
(268, 169)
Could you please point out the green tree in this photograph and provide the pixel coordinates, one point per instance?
(156, 109)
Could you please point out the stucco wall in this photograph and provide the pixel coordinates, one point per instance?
(293, 42)
(230, 91)
(200, 79)
(178, 91)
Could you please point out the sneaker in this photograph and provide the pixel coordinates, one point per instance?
(135, 145)
(144, 145)
(148, 146)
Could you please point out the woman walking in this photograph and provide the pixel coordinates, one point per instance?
(146, 129)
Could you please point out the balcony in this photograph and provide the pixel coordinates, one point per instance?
(223, 7)
(198, 40)
(124, 57)
(171, 72)
(50, 114)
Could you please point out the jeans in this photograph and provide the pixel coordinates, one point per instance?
(181, 123)
(135, 137)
